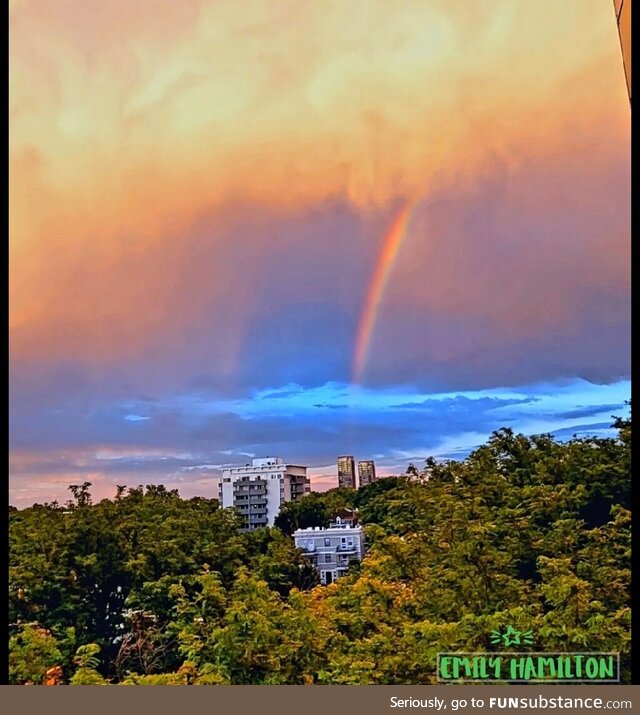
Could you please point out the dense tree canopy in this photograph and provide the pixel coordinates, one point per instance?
(149, 588)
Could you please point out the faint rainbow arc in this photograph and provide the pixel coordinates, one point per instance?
(391, 245)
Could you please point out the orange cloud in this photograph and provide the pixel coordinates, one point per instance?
(132, 122)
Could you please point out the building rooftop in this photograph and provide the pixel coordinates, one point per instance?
(334, 525)
(266, 461)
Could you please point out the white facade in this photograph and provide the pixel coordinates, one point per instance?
(330, 550)
(258, 489)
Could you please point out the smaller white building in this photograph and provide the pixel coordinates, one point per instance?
(331, 549)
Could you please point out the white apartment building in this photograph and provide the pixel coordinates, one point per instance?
(258, 489)
(331, 549)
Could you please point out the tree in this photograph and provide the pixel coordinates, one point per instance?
(87, 661)
(314, 509)
(33, 651)
(81, 493)
(149, 588)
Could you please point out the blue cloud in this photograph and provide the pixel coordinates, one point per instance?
(191, 435)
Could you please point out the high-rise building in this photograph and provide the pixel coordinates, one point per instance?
(347, 472)
(331, 550)
(257, 490)
(366, 472)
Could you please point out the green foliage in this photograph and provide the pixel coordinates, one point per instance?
(149, 588)
(315, 509)
(32, 652)
(87, 661)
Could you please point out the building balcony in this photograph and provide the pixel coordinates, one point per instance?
(247, 509)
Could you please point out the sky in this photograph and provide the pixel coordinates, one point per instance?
(245, 229)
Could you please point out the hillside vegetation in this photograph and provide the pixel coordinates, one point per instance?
(149, 588)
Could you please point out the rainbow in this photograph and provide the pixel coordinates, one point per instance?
(388, 253)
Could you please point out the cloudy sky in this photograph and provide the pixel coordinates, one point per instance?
(244, 228)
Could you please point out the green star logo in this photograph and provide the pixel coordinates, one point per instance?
(512, 636)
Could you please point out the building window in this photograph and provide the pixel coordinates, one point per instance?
(327, 558)
(327, 542)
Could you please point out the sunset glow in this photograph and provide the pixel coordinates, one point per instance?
(216, 201)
